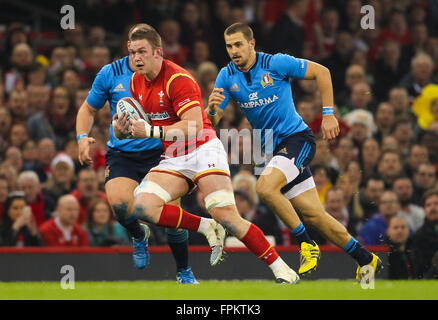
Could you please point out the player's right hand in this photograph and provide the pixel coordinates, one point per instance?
(215, 99)
(122, 124)
(84, 150)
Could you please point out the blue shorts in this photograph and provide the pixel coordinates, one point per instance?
(132, 165)
(293, 156)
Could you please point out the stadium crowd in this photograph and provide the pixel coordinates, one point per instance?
(378, 178)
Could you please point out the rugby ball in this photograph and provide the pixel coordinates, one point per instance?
(132, 107)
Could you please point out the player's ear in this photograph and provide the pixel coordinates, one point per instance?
(252, 43)
(159, 51)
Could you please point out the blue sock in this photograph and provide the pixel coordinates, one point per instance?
(358, 252)
(178, 243)
(133, 226)
(301, 234)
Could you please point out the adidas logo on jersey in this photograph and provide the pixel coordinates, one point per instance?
(235, 88)
(119, 88)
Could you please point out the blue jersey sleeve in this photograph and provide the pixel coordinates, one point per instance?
(99, 92)
(221, 82)
(289, 66)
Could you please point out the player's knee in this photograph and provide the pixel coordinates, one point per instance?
(120, 211)
(145, 209)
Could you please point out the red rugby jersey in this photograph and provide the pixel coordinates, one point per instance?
(166, 98)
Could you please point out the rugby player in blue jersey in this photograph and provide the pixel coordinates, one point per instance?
(260, 85)
(127, 163)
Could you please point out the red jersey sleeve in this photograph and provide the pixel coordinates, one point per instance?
(184, 93)
(132, 87)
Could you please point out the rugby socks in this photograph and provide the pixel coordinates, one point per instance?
(301, 235)
(175, 217)
(133, 226)
(178, 243)
(256, 242)
(358, 252)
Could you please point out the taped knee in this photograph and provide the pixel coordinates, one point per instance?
(220, 198)
(154, 188)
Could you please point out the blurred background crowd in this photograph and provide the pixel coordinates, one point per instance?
(372, 178)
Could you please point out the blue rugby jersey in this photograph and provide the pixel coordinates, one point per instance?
(112, 84)
(264, 94)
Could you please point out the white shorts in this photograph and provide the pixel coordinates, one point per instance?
(209, 158)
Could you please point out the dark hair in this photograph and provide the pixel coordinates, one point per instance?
(7, 221)
(240, 27)
(144, 31)
(429, 193)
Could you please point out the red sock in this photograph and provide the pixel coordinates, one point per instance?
(256, 242)
(176, 217)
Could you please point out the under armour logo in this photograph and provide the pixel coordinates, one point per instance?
(211, 165)
(141, 97)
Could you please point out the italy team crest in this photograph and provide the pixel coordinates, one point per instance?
(266, 80)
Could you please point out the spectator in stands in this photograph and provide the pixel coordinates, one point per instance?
(87, 190)
(29, 153)
(8, 171)
(370, 195)
(424, 179)
(418, 154)
(322, 182)
(3, 194)
(369, 156)
(352, 203)
(172, 48)
(57, 122)
(353, 75)
(102, 230)
(18, 135)
(339, 60)
(22, 58)
(343, 154)
(389, 166)
(361, 125)
(401, 259)
(413, 213)
(200, 52)
(40, 202)
(288, 33)
(403, 132)
(15, 34)
(420, 75)
(18, 105)
(330, 26)
(374, 230)
(419, 41)
(18, 227)
(38, 98)
(99, 56)
(192, 26)
(46, 152)
(335, 205)
(63, 229)
(5, 126)
(62, 180)
(398, 97)
(361, 97)
(323, 156)
(14, 157)
(71, 80)
(384, 119)
(426, 238)
(389, 69)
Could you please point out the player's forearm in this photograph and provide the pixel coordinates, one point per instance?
(324, 81)
(214, 118)
(84, 120)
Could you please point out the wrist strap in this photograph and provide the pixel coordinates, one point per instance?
(328, 111)
(83, 135)
(156, 132)
(212, 113)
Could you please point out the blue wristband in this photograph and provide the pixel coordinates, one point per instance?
(81, 136)
(328, 111)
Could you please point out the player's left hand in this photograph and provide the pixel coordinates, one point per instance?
(139, 128)
(330, 127)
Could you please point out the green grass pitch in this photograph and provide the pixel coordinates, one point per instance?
(222, 290)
